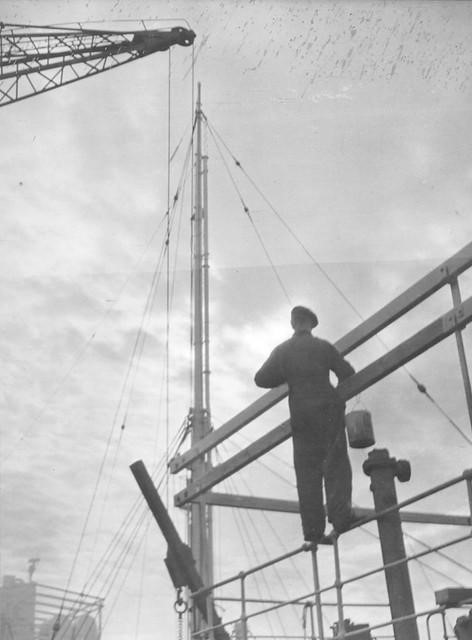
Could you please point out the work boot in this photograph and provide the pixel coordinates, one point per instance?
(318, 538)
(345, 523)
(327, 539)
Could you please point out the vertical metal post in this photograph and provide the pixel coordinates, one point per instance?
(339, 586)
(382, 470)
(318, 603)
(243, 605)
(443, 619)
(456, 298)
(312, 623)
(206, 289)
(100, 620)
(468, 481)
(200, 513)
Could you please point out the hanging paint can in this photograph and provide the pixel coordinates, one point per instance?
(359, 428)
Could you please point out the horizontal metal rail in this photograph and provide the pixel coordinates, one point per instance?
(84, 596)
(411, 297)
(466, 477)
(243, 574)
(415, 556)
(292, 506)
(331, 587)
(301, 603)
(347, 634)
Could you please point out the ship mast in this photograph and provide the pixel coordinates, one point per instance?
(200, 525)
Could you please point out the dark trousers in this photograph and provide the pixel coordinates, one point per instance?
(320, 452)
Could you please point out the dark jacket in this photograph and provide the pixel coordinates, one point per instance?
(304, 363)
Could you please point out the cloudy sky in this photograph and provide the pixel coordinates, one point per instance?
(353, 120)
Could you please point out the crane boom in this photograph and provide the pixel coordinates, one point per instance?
(38, 59)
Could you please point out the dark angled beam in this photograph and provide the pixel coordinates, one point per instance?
(179, 561)
(422, 341)
(403, 303)
(292, 506)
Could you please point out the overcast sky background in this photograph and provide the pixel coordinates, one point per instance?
(353, 118)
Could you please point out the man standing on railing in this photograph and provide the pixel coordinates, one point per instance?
(317, 420)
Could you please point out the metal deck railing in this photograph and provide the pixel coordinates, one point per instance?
(314, 599)
(76, 615)
(450, 323)
(33, 611)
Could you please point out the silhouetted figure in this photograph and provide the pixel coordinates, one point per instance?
(317, 419)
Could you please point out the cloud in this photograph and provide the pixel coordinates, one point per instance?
(365, 155)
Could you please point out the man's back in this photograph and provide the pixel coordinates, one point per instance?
(304, 363)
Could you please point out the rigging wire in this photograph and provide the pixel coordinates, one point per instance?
(176, 199)
(420, 562)
(277, 537)
(274, 532)
(114, 421)
(148, 306)
(428, 580)
(167, 358)
(81, 352)
(126, 528)
(215, 134)
(265, 466)
(131, 564)
(111, 608)
(407, 535)
(420, 387)
(438, 552)
(273, 455)
(123, 554)
(250, 217)
(140, 341)
(193, 120)
(246, 538)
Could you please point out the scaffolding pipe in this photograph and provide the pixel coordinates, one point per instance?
(468, 482)
(312, 622)
(339, 585)
(443, 619)
(465, 476)
(457, 300)
(243, 607)
(318, 603)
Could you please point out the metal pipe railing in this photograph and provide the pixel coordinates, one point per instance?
(304, 547)
(457, 299)
(243, 606)
(317, 593)
(408, 558)
(339, 583)
(302, 603)
(428, 618)
(467, 475)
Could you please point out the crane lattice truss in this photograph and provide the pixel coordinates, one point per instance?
(37, 59)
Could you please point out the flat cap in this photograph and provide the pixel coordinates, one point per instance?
(304, 312)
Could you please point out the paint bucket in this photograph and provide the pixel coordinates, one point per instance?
(359, 428)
